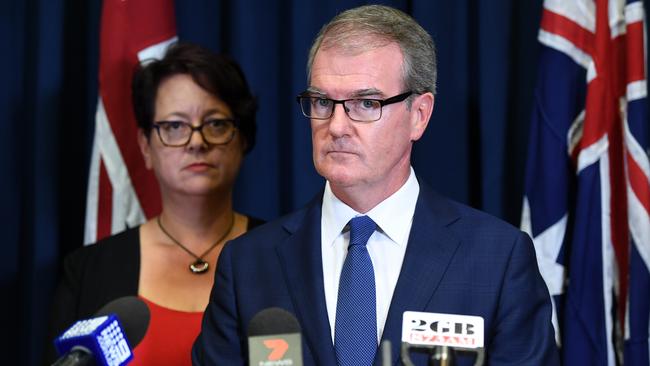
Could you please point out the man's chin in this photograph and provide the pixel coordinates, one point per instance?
(341, 179)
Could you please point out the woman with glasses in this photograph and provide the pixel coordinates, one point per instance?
(196, 119)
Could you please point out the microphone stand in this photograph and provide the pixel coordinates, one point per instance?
(441, 355)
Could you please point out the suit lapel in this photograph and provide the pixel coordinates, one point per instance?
(300, 256)
(430, 249)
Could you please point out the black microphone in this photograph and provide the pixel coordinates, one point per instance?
(274, 339)
(442, 336)
(107, 338)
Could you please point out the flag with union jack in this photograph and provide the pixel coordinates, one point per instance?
(122, 193)
(587, 193)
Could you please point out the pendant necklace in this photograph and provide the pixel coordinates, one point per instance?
(199, 266)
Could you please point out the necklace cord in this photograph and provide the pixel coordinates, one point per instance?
(197, 257)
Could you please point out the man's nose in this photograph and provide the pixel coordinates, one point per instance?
(340, 122)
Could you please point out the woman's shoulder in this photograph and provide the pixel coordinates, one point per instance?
(107, 249)
(103, 271)
(254, 222)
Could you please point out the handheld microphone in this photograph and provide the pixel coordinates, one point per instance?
(104, 340)
(274, 339)
(442, 335)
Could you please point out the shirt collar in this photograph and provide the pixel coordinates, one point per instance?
(393, 215)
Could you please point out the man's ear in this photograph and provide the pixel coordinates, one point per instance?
(421, 109)
(145, 148)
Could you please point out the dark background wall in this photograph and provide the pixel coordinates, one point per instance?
(474, 149)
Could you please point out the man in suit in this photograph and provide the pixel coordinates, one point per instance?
(377, 242)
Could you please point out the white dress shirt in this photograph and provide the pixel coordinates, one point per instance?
(386, 246)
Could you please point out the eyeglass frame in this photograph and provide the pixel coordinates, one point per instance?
(382, 102)
(157, 124)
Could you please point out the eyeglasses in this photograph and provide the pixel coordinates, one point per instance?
(358, 109)
(178, 133)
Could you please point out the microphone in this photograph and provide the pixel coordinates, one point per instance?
(104, 340)
(274, 339)
(386, 356)
(442, 335)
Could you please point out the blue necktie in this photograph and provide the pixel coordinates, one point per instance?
(355, 331)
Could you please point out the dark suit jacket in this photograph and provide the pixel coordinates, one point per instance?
(458, 260)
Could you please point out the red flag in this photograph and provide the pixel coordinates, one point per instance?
(121, 191)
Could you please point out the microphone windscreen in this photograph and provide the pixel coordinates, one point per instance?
(273, 321)
(133, 314)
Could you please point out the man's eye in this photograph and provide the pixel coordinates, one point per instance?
(322, 102)
(368, 103)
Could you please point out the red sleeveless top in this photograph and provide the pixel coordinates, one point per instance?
(169, 338)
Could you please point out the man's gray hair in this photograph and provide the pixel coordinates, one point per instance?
(371, 26)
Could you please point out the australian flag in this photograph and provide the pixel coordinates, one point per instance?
(587, 194)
